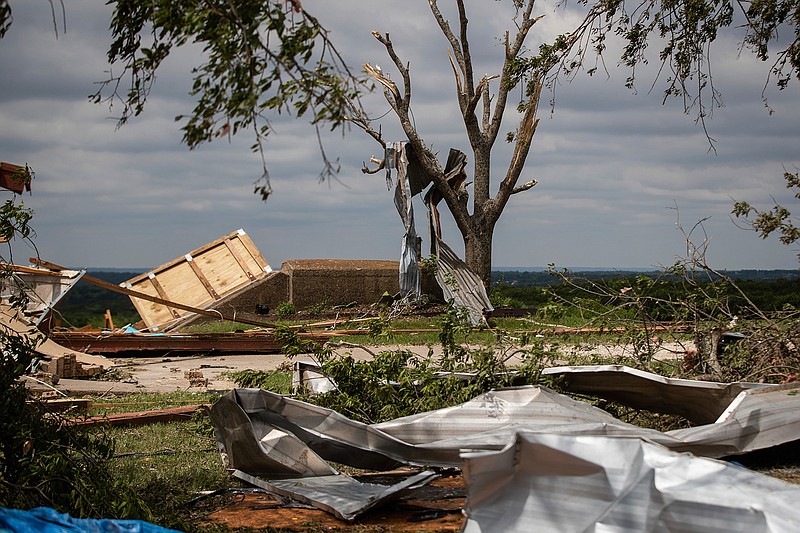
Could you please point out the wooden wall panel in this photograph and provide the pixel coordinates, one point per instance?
(199, 278)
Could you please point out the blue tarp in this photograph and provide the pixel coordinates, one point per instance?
(46, 520)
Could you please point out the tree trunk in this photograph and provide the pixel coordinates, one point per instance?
(478, 252)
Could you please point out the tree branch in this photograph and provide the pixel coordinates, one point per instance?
(513, 50)
(525, 186)
(402, 101)
(524, 137)
(448, 33)
(400, 105)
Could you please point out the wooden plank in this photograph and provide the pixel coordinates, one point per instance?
(239, 259)
(196, 252)
(148, 304)
(183, 285)
(251, 248)
(143, 345)
(224, 271)
(108, 321)
(162, 293)
(202, 277)
(29, 270)
(63, 404)
(158, 416)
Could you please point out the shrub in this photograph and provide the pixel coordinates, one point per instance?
(285, 310)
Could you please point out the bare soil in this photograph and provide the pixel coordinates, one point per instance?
(436, 508)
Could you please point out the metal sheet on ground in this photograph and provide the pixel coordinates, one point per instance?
(701, 402)
(340, 494)
(574, 483)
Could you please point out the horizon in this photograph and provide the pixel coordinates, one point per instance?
(139, 270)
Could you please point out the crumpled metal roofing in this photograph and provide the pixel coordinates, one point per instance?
(340, 495)
(274, 437)
(434, 438)
(459, 284)
(757, 419)
(701, 402)
(600, 484)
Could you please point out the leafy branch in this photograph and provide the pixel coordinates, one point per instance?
(259, 58)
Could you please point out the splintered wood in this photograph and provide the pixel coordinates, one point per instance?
(198, 279)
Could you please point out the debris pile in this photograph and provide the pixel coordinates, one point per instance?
(523, 451)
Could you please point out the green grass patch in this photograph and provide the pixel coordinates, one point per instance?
(279, 381)
(218, 326)
(148, 402)
(168, 465)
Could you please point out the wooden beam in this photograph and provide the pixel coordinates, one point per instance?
(239, 259)
(202, 277)
(141, 418)
(162, 293)
(28, 270)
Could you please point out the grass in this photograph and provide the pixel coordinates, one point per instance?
(279, 381)
(218, 326)
(167, 464)
(148, 402)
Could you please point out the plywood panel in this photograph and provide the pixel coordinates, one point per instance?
(199, 278)
(222, 269)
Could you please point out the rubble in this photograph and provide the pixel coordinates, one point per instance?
(53, 358)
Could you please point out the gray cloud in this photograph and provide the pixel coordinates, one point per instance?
(617, 170)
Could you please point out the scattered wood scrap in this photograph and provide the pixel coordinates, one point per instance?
(141, 418)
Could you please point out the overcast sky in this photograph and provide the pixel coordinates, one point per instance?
(617, 170)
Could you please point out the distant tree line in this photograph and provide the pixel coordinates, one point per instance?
(86, 304)
(771, 290)
(526, 278)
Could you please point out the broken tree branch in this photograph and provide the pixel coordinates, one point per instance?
(525, 186)
(377, 74)
(380, 162)
(462, 96)
(403, 101)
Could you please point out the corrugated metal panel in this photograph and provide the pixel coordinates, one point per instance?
(701, 402)
(755, 420)
(248, 443)
(434, 438)
(584, 484)
(460, 284)
(340, 495)
(763, 418)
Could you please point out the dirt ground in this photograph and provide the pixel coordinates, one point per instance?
(434, 508)
(207, 372)
(168, 374)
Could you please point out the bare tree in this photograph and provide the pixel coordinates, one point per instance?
(483, 103)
